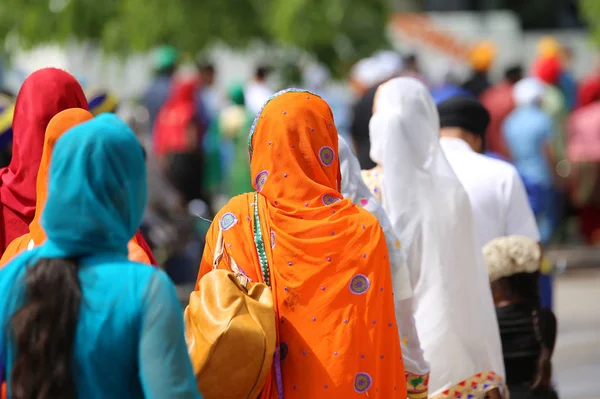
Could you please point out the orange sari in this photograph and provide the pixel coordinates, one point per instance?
(58, 125)
(328, 261)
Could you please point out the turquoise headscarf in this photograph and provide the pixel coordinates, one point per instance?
(97, 190)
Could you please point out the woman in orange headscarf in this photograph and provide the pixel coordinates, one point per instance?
(58, 125)
(327, 260)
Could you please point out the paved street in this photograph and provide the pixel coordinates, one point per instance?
(577, 356)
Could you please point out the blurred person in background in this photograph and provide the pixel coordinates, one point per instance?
(499, 102)
(165, 64)
(481, 58)
(257, 91)
(549, 70)
(371, 72)
(177, 140)
(317, 79)
(7, 110)
(497, 195)
(567, 81)
(101, 101)
(412, 68)
(44, 93)
(528, 132)
(233, 125)
(448, 84)
(528, 332)
(209, 96)
(583, 154)
(81, 320)
(426, 204)
(548, 47)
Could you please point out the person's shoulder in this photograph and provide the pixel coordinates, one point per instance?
(498, 167)
(236, 204)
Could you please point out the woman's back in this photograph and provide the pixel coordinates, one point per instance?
(120, 301)
(430, 212)
(326, 258)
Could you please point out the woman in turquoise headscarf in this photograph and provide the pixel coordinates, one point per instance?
(89, 322)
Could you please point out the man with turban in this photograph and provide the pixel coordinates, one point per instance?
(497, 194)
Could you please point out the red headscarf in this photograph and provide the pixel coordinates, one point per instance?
(174, 119)
(44, 93)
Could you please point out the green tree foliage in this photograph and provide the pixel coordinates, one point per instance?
(337, 31)
(590, 10)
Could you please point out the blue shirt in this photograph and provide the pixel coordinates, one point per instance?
(526, 131)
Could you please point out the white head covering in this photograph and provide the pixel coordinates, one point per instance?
(505, 256)
(430, 213)
(365, 72)
(389, 64)
(528, 91)
(354, 188)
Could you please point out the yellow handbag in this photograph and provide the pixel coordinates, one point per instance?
(230, 330)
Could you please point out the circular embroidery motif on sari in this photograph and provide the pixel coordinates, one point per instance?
(260, 180)
(326, 154)
(359, 284)
(272, 239)
(329, 199)
(228, 220)
(362, 382)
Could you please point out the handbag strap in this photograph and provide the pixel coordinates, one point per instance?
(219, 252)
(260, 249)
(260, 244)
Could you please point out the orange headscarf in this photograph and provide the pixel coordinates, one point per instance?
(328, 263)
(58, 125)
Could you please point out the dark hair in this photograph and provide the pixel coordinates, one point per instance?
(207, 68)
(410, 60)
(44, 331)
(262, 72)
(513, 73)
(526, 287)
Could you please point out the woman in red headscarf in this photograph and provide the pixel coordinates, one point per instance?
(177, 141)
(44, 94)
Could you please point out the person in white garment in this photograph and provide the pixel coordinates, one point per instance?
(430, 213)
(257, 91)
(353, 187)
(497, 194)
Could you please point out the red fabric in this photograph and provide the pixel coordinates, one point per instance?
(589, 91)
(141, 241)
(174, 119)
(548, 69)
(499, 102)
(44, 93)
(590, 224)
